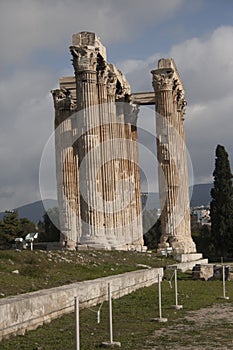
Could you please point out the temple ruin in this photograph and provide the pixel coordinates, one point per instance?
(97, 166)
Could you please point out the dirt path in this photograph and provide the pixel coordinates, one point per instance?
(205, 329)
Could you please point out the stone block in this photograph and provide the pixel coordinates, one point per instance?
(89, 39)
(203, 272)
(188, 257)
(229, 273)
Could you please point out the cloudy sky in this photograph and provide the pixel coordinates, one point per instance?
(35, 36)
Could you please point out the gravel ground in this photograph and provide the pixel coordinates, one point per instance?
(207, 329)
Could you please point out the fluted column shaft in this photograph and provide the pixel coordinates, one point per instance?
(115, 219)
(134, 171)
(107, 171)
(171, 152)
(67, 186)
(168, 189)
(88, 147)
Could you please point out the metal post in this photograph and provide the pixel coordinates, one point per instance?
(223, 281)
(77, 336)
(176, 306)
(160, 319)
(176, 293)
(160, 301)
(111, 343)
(110, 312)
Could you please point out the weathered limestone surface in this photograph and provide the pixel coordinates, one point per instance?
(171, 153)
(98, 176)
(203, 272)
(28, 311)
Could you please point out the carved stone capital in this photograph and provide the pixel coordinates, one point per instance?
(180, 100)
(111, 84)
(163, 79)
(102, 71)
(84, 58)
(122, 91)
(62, 99)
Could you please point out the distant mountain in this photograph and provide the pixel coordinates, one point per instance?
(200, 196)
(34, 211)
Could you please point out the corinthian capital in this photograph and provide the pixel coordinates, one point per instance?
(84, 58)
(62, 99)
(163, 79)
(111, 84)
(102, 70)
(180, 100)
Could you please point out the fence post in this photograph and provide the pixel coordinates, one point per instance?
(176, 306)
(160, 318)
(111, 343)
(77, 335)
(223, 281)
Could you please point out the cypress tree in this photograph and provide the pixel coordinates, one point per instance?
(221, 206)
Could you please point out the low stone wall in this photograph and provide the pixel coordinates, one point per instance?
(28, 311)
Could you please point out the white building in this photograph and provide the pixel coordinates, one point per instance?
(202, 213)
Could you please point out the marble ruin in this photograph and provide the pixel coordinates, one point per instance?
(98, 174)
(171, 155)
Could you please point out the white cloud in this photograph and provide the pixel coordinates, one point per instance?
(31, 33)
(138, 72)
(26, 123)
(27, 26)
(207, 65)
(206, 127)
(30, 30)
(206, 68)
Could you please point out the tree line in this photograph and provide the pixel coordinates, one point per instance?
(12, 227)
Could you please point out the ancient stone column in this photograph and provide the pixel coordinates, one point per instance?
(88, 146)
(67, 181)
(100, 173)
(107, 109)
(135, 208)
(171, 153)
(137, 235)
(113, 217)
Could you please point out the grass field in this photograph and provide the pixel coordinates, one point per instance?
(133, 325)
(205, 322)
(43, 269)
